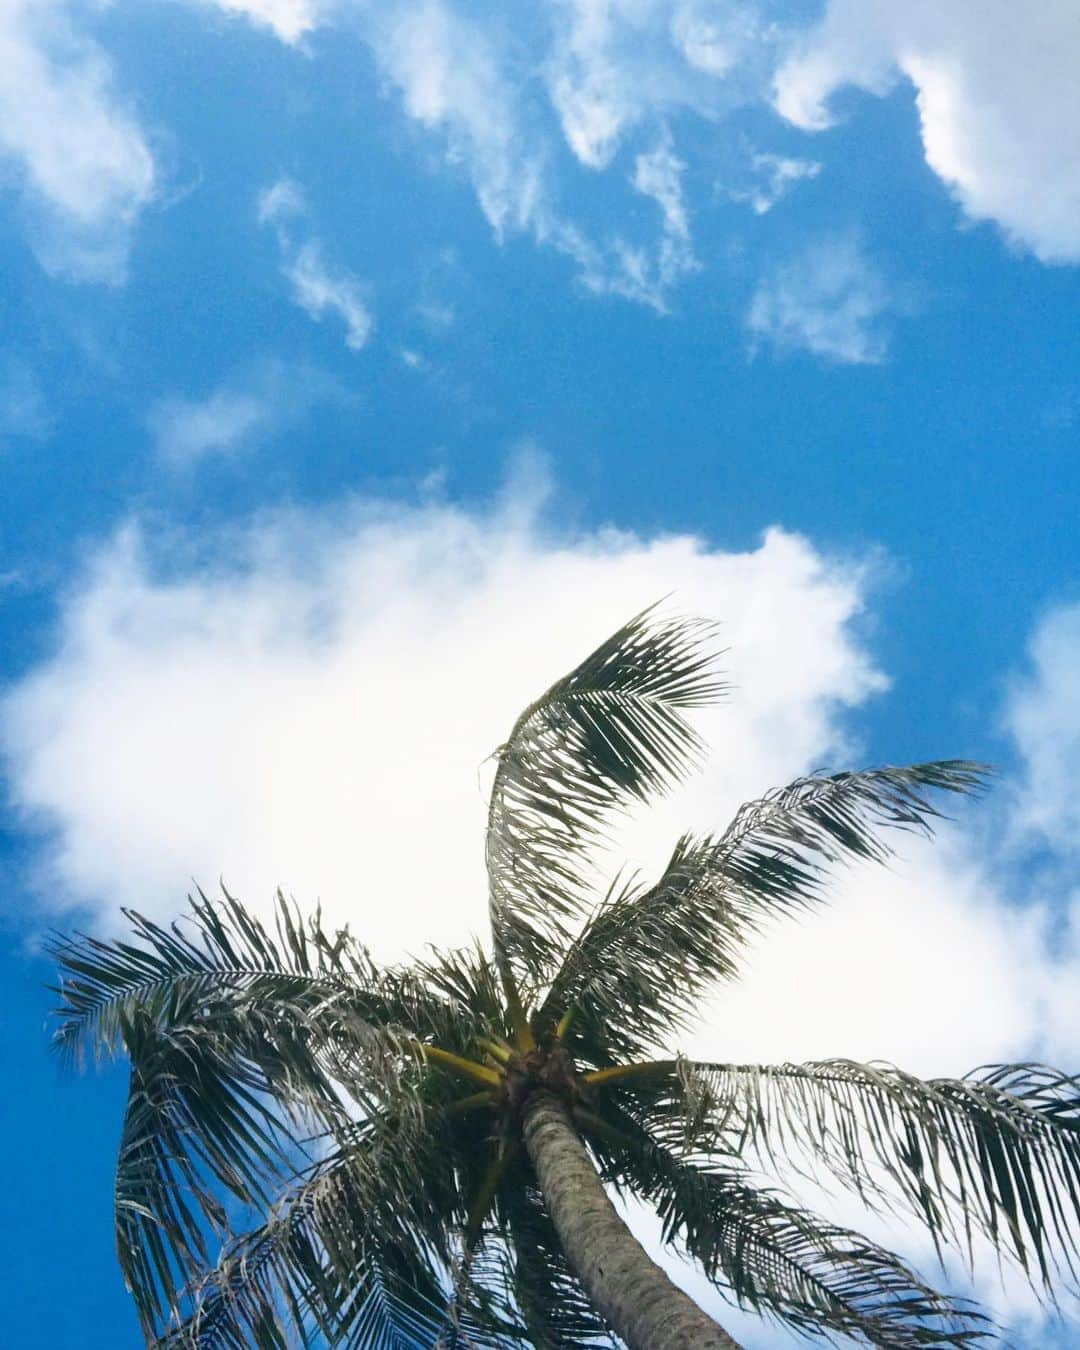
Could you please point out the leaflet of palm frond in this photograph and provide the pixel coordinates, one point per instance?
(652, 951)
(222, 952)
(191, 1128)
(227, 1100)
(996, 1152)
(609, 734)
(355, 1254)
(556, 1310)
(468, 982)
(778, 1260)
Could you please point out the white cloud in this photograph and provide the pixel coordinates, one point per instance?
(312, 706)
(829, 300)
(997, 97)
(297, 710)
(1043, 716)
(247, 408)
(776, 176)
(318, 287)
(471, 83)
(615, 65)
(289, 20)
(80, 160)
(321, 289)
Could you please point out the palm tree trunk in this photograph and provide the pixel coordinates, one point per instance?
(640, 1302)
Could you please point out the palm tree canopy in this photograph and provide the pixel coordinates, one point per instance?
(317, 1149)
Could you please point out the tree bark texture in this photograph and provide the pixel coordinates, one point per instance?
(638, 1299)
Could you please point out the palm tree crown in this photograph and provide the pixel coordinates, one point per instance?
(317, 1150)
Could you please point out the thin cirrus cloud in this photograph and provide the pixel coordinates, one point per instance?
(24, 410)
(82, 165)
(997, 101)
(315, 707)
(615, 77)
(830, 300)
(1043, 716)
(239, 413)
(320, 288)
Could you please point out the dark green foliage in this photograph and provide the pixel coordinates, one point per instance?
(319, 1151)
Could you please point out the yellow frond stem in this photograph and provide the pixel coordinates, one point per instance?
(523, 1037)
(479, 1073)
(496, 1049)
(618, 1073)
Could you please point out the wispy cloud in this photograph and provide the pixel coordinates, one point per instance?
(1043, 716)
(320, 288)
(775, 176)
(237, 414)
(24, 412)
(82, 163)
(829, 300)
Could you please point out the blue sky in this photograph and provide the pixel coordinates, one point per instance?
(360, 365)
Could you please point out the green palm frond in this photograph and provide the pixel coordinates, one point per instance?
(194, 1132)
(605, 736)
(775, 1259)
(997, 1152)
(357, 1253)
(813, 1275)
(224, 952)
(647, 954)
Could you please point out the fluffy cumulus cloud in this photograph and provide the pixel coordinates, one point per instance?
(997, 93)
(321, 288)
(314, 708)
(75, 152)
(829, 299)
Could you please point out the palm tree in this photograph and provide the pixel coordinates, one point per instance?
(316, 1150)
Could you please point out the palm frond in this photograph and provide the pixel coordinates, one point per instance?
(643, 960)
(357, 1254)
(775, 1259)
(194, 1132)
(224, 951)
(997, 1152)
(608, 734)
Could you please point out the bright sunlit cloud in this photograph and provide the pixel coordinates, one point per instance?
(997, 100)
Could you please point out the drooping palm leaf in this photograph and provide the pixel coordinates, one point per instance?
(769, 1256)
(646, 956)
(355, 1254)
(606, 735)
(997, 1151)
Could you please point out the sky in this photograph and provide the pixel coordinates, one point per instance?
(363, 365)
